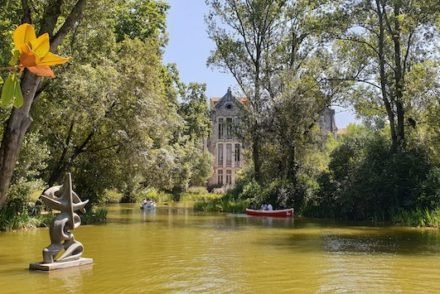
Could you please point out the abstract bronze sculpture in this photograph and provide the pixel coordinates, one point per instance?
(63, 199)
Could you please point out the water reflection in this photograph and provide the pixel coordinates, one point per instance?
(174, 249)
(71, 279)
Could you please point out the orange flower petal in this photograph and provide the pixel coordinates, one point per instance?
(52, 59)
(27, 57)
(40, 46)
(42, 71)
(23, 34)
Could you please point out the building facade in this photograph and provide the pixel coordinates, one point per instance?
(227, 147)
(224, 142)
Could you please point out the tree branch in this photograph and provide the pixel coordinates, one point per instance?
(104, 148)
(242, 32)
(70, 23)
(50, 17)
(355, 80)
(405, 60)
(369, 45)
(27, 14)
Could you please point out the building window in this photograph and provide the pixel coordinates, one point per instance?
(229, 126)
(228, 177)
(220, 177)
(237, 155)
(220, 155)
(220, 128)
(229, 155)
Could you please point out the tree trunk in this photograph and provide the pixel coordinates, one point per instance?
(398, 79)
(256, 157)
(16, 127)
(383, 78)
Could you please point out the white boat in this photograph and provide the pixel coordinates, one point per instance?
(148, 205)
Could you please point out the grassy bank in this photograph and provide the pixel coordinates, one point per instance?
(418, 218)
(221, 203)
(13, 217)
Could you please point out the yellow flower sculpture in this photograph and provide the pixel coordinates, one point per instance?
(34, 52)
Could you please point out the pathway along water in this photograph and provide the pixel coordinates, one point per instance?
(173, 250)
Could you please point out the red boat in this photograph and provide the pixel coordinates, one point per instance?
(270, 213)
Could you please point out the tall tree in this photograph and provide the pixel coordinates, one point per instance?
(57, 23)
(243, 32)
(124, 106)
(194, 110)
(275, 52)
(381, 42)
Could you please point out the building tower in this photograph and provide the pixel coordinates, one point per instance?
(224, 143)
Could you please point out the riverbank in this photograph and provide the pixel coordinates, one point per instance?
(418, 218)
(414, 218)
(24, 219)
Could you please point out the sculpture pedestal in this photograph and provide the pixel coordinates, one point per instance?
(59, 265)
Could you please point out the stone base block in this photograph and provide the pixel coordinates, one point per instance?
(38, 266)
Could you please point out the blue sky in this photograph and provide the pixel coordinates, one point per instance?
(189, 48)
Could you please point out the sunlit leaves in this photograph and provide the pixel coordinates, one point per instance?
(15, 57)
(11, 92)
(142, 19)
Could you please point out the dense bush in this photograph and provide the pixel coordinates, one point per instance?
(418, 217)
(224, 203)
(430, 197)
(280, 193)
(17, 213)
(94, 216)
(367, 180)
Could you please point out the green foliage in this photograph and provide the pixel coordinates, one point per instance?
(252, 190)
(124, 117)
(194, 110)
(197, 190)
(94, 216)
(222, 204)
(112, 196)
(367, 180)
(15, 214)
(157, 195)
(143, 19)
(430, 195)
(384, 49)
(174, 168)
(113, 119)
(417, 217)
(11, 92)
(33, 159)
(280, 193)
(9, 17)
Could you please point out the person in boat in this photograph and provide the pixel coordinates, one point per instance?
(269, 207)
(263, 206)
(144, 202)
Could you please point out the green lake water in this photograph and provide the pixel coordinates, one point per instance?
(173, 250)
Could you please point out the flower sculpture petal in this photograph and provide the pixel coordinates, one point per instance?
(34, 52)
